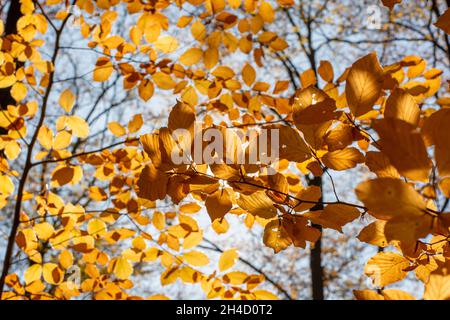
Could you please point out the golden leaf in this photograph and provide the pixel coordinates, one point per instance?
(325, 71)
(438, 287)
(258, 204)
(196, 258)
(117, 129)
(218, 204)
(166, 44)
(363, 86)
(399, 141)
(387, 198)
(228, 259)
(343, 159)
(67, 100)
(191, 56)
(401, 105)
(385, 268)
(52, 274)
(33, 273)
(103, 69)
(374, 234)
(122, 268)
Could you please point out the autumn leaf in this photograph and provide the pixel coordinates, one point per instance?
(363, 86)
(438, 287)
(443, 22)
(67, 100)
(399, 141)
(227, 259)
(385, 268)
(374, 234)
(342, 159)
(218, 204)
(123, 268)
(103, 69)
(387, 198)
(325, 71)
(258, 204)
(196, 258)
(117, 129)
(401, 105)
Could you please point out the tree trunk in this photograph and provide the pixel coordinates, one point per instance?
(10, 28)
(315, 261)
(6, 99)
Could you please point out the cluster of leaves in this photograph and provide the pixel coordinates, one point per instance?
(327, 125)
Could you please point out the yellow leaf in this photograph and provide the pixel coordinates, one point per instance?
(234, 3)
(258, 204)
(166, 44)
(152, 183)
(7, 81)
(135, 123)
(334, 216)
(264, 295)
(220, 225)
(191, 56)
(117, 129)
(66, 174)
(66, 259)
(308, 78)
(62, 140)
(190, 208)
(163, 80)
(159, 220)
(248, 74)
(379, 164)
(363, 86)
(135, 35)
(18, 91)
(198, 30)
(399, 141)
(12, 150)
(97, 194)
(227, 259)
(67, 100)
(146, 89)
(367, 295)
(96, 227)
(44, 230)
(276, 236)
(325, 71)
(401, 105)
(123, 268)
(374, 234)
(343, 159)
(435, 131)
(103, 69)
(45, 137)
(196, 258)
(6, 185)
(79, 126)
(266, 12)
(385, 268)
(394, 294)
(438, 287)
(218, 204)
(33, 273)
(387, 198)
(52, 274)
